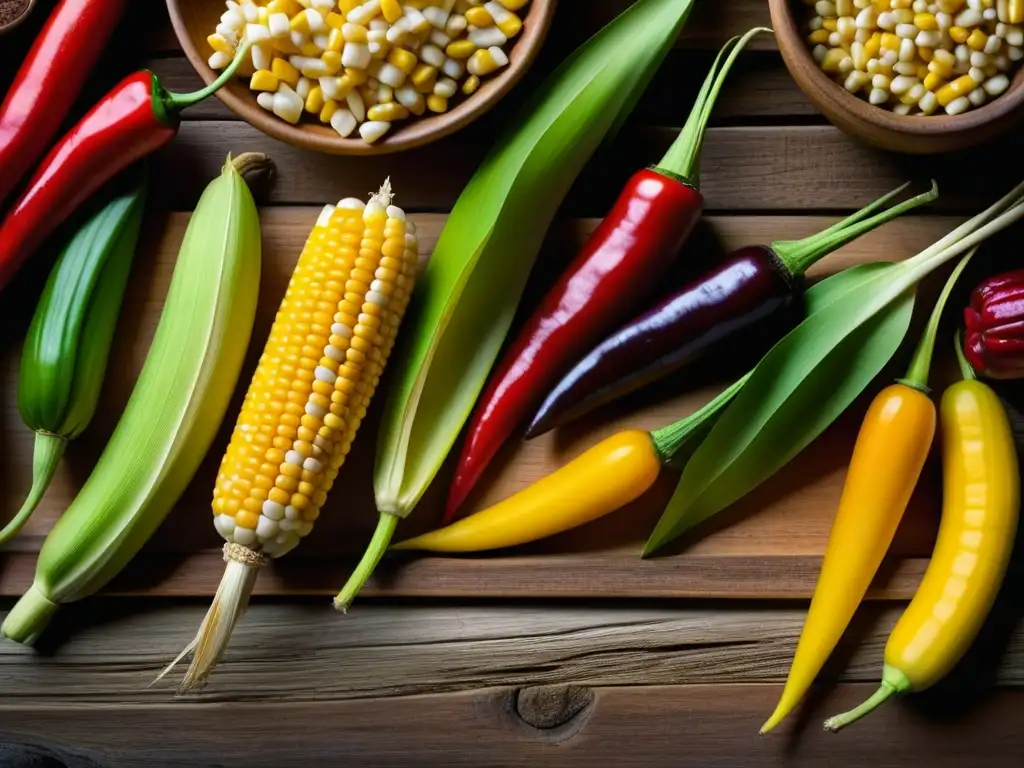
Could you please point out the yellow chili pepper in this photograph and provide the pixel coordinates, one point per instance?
(608, 476)
(893, 443)
(981, 501)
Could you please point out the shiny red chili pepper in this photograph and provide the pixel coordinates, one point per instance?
(133, 120)
(994, 341)
(618, 269)
(59, 61)
(752, 286)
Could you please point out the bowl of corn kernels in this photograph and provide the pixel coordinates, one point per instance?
(362, 77)
(914, 76)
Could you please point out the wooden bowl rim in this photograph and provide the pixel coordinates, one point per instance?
(423, 130)
(798, 58)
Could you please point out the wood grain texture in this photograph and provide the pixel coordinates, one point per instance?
(109, 651)
(768, 544)
(791, 169)
(698, 726)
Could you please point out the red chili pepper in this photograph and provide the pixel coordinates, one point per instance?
(59, 61)
(618, 268)
(994, 342)
(752, 287)
(133, 120)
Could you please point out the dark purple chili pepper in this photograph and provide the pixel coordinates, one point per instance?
(752, 286)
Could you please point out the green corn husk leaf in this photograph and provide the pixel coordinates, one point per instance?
(469, 292)
(810, 377)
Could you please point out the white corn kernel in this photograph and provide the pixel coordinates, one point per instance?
(825, 8)
(867, 18)
(908, 51)
(881, 81)
(958, 106)
(439, 38)
(818, 52)
(993, 44)
(371, 131)
(1015, 35)
(251, 12)
(266, 100)
(391, 75)
(356, 56)
(261, 56)
(902, 83)
(989, 14)
(230, 34)
(980, 59)
(445, 87)
(928, 39)
(906, 31)
(303, 88)
(928, 103)
(488, 37)
(905, 68)
(288, 105)
(902, 109)
(454, 68)
(356, 105)
(977, 97)
(257, 33)
(846, 27)
(219, 60)
(878, 96)
(344, 122)
(996, 85)
(437, 17)
(967, 19)
(944, 20)
(855, 81)
(279, 26)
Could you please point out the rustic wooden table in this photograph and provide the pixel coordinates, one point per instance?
(571, 651)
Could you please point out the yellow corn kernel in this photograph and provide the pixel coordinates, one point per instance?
(926, 21)
(315, 100)
(220, 45)
(263, 80)
(959, 34)
(962, 86)
(831, 61)
(262, 16)
(483, 63)
(387, 113)
(333, 61)
(330, 107)
(460, 49)
(818, 37)
(391, 9)
(285, 72)
(510, 25)
(347, 6)
(309, 49)
(334, 20)
(286, 46)
(478, 16)
(437, 103)
(933, 82)
(357, 76)
(513, 5)
(403, 59)
(300, 23)
(1014, 12)
(926, 54)
(355, 33)
(873, 45)
(977, 40)
(424, 77)
(287, 7)
(335, 41)
(890, 41)
(950, 6)
(472, 83)
(831, 24)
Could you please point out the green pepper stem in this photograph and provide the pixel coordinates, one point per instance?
(920, 364)
(668, 440)
(799, 255)
(45, 457)
(175, 102)
(965, 367)
(378, 545)
(683, 157)
(894, 682)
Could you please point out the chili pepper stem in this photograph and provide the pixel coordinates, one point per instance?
(894, 683)
(920, 364)
(799, 255)
(683, 157)
(965, 367)
(668, 440)
(386, 526)
(167, 101)
(46, 456)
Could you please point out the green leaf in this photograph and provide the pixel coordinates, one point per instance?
(467, 297)
(797, 390)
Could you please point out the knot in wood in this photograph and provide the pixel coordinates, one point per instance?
(551, 706)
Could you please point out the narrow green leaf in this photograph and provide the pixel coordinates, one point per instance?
(797, 390)
(467, 297)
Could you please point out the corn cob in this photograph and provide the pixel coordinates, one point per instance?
(174, 411)
(329, 343)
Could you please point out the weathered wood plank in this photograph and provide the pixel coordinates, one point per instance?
(700, 726)
(759, 88)
(768, 545)
(766, 168)
(108, 651)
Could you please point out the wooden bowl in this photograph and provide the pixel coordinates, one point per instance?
(194, 20)
(876, 125)
(5, 28)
